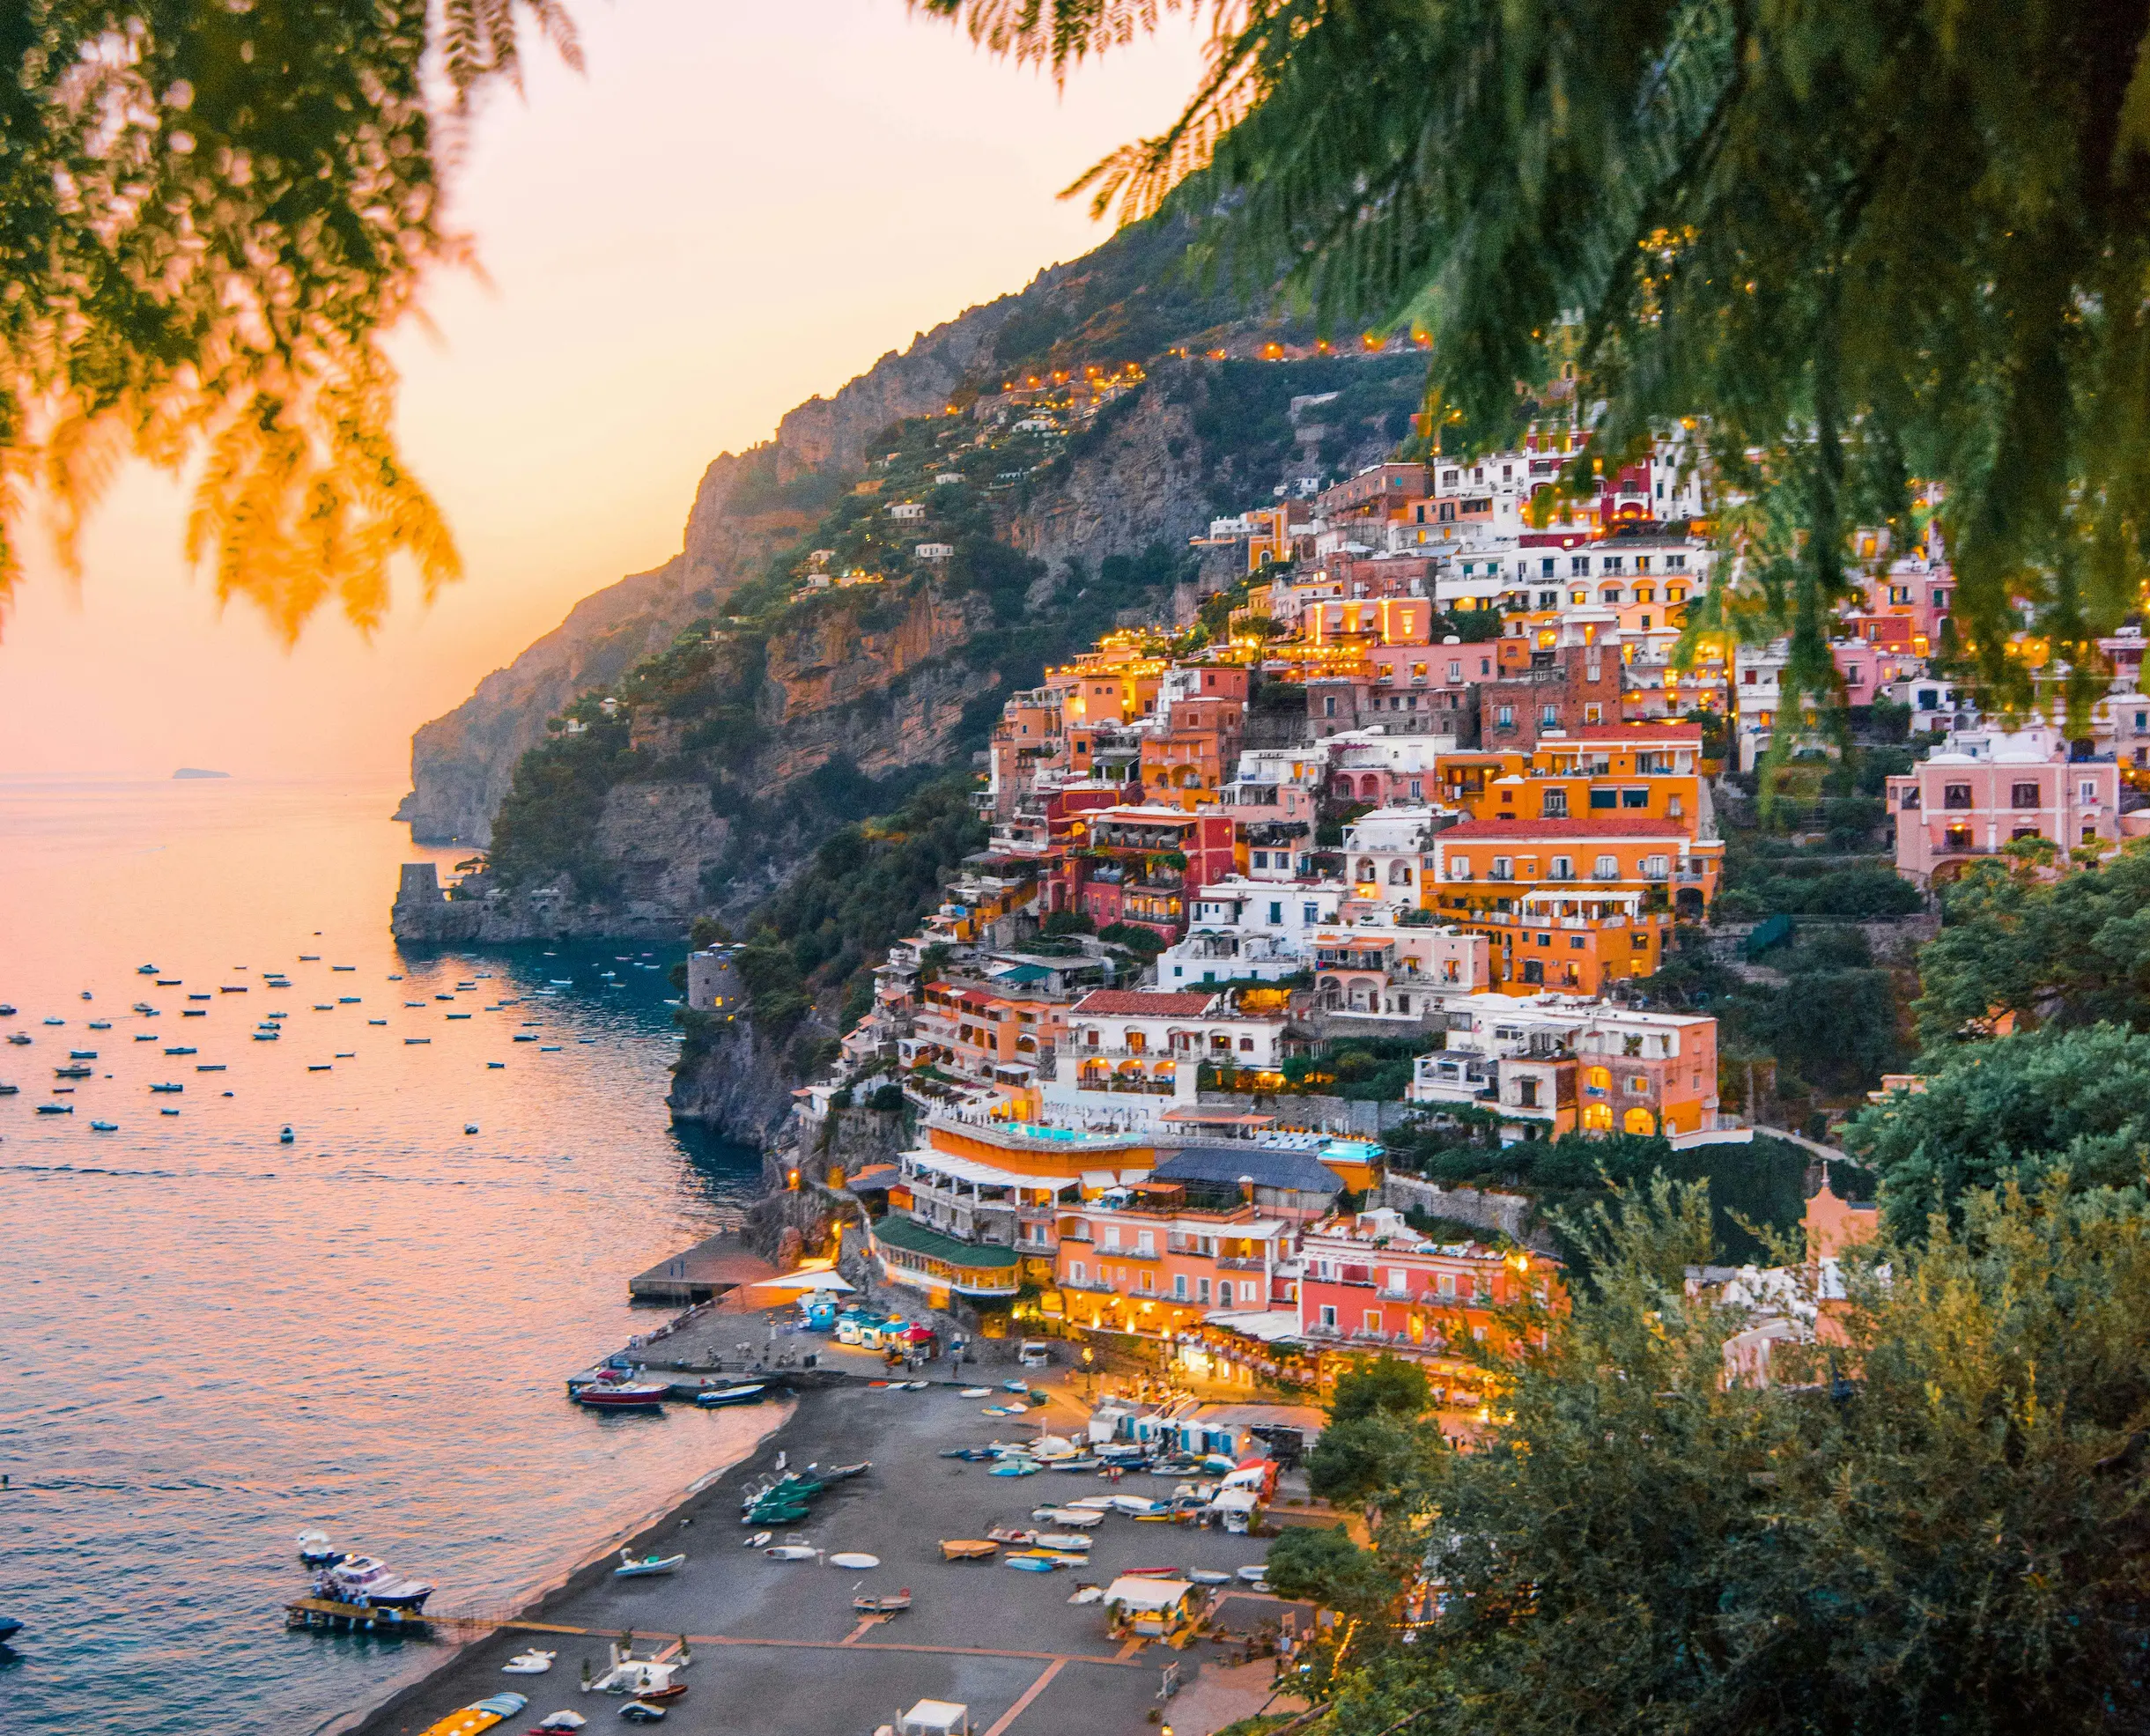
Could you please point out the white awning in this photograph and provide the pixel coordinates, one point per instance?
(984, 1175)
(1133, 1592)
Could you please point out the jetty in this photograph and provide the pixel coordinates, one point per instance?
(709, 1269)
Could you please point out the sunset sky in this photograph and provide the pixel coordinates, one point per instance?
(739, 206)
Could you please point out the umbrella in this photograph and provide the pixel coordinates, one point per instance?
(804, 1280)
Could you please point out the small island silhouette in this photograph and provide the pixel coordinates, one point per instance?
(196, 771)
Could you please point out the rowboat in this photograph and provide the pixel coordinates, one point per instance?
(479, 1715)
(1080, 1517)
(791, 1552)
(1015, 1467)
(1000, 1533)
(647, 1567)
(1055, 1541)
(835, 1473)
(760, 1540)
(1033, 1562)
(968, 1549)
(1209, 1575)
(1256, 1574)
(529, 1663)
(1152, 1572)
(884, 1606)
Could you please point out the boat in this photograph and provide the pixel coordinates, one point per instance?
(377, 1021)
(642, 1711)
(1256, 1574)
(194, 1012)
(787, 1512)
(168, 1087)
(1150, 1573)
(315, 1550)
(791, 1552)
(1081, 1462)
(469, 1127)
(209, 1067)
(347, 1000)
(1015, 1467)
(837, 1474)
(142, 1007)
(231, 988)
(729, 1395)
(145, 969)
(182, 1051)
(1033, 1564)
(320, 1066)
(284, 1136)
(976, 1393)
(522, 1038)
(1065, 1543)
(408, 1041)
(9, 1090)
(616, 1394)
(56, 1021)
(101, 1024)
(760, 1540)
(968, 1549)
(343, 967)
(174, 1111)
(647, 1567)
(104, 1126)
(479, 1715)
(562, 1721)
(362, 1580)
(1086, 1594)
(1005, 1533)
(9, 1628)
(81, 1054)
(854, 1561)
(1209, 1575)
(868, 1605)
(267, 1036)
(19, 1040)
(56, 1109)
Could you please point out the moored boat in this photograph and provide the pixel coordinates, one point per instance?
(362, 1580)
(647, 1567)
(730, 1395)
(619, 1394)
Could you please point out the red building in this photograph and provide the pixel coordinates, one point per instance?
(1139, 865)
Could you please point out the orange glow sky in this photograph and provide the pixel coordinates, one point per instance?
(738, 207)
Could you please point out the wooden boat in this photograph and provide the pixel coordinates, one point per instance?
(1000, 1533)
(837, 1474)
(663, 1696)
(1055, 1541)
(647, 1567)
(884, 1606)
(479, 1715)
(1150, 1573)
(1080, 1518)
(1209, 1575)
(1033, 1562)
(968, 1549)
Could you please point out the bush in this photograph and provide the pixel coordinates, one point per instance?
(887, 1099)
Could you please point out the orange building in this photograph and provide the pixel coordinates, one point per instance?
(1574, 904)
(1651, 768)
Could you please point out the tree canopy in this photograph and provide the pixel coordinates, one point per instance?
(1847, 247)
(1935, 1522)
(210, 212)
(2071, 950)
(2010, 1110)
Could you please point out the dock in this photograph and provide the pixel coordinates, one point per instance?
(709, 1269)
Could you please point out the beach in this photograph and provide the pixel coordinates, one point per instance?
(777, 1648)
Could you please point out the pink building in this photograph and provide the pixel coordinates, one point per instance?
(1988, 788)
(1867, 666)
(1372, 1282)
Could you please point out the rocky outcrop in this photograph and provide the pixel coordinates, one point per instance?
(1139, 482)
(424, 914)
(734, 1081)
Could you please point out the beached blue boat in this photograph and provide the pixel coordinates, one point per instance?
(730, 1395)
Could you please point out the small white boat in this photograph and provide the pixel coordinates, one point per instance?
(647, 1567)
(1088, 1594)
(854, 1561)
(730, 1395)
(759, 1541)
(563, 1721)
(1080, 1517)
(791, 1552)
(1255, 1575)
(1015, 1386)
(529, 1663)
(315, 1551)
(976, 1393)
(1056, 1541)
(1209, 1575)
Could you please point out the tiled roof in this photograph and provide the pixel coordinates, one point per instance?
(1518, 832)
(1136, 1004)
(1296, 1171)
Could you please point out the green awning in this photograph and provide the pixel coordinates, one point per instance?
(1022, 973)
(914, 1238)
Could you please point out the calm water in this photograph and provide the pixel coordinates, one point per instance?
(211, 1340)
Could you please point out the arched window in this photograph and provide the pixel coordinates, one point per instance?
(1400, 873)
(1598, 1118)
(1370, 789)
(1638, 1121)
(1599, 1079)
(1366, 868)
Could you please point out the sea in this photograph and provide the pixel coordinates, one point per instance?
(212, 1339)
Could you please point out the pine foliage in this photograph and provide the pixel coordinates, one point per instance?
(210, 212)
(1851, 245)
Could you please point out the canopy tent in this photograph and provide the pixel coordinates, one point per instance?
(1147, 1596)
(805, 1281)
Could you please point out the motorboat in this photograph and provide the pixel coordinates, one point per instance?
(9, 1628)
(868, 1605)
(1015, 1386)
(837, 1474)
(642, 1711)
(315, 1549)
(791, 1552)
(616, 1393)
(56, 1021)
(477, 1716)
(104, 1126)
(167, 1086)
(1081, 1462)
(1256, 1574)
(284, 1136)
(20, 1039)
(529, 1663)
(647, 1567)
(976, 1393)
(360, 1579)
(56, 1109)
(730, 1395)
(1064, 1542)
(1033, 1561)
(76, 1072)
(101, 1024)
(182, 1051)
(81, 1054)
(1004, 1534)
(145, 969)
(209, 1067)
(347, 1000)
(1209, 1575)
(760, 1540)
(143, 1007)
(1015, 1467)
(9, 1090)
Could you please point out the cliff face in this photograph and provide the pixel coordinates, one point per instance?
(738, 1084)
(462, 764)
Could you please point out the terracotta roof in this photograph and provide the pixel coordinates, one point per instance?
(1641, 729)
(1519, 831)
(1136, 1004)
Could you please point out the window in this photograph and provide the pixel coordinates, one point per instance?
(1910, 799)
(1957, 837)
(1563, 868)
(1575, 944)
(1372, 1318)
(1328, 1314)
(1608, 868)
(1653, 867)
(1310, 913)
(1635, 798)
(1446, 1283)
(1077, 1272)
(1579, 566)
(1148, 1281)
(1179, 1286)
(1276, 914)
(1504, 868)
(1224, 1301)
(1554, 805)
(1594, 713)
(1506, 717)
(1455, 670)
(1526, 1093)
(1605, 798)
(2086, 791)
(1201, 1291)
(1328, 705)
(1955, 795)
(2023, 795)
(2024, 832)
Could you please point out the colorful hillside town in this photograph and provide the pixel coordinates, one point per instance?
(1420, 777)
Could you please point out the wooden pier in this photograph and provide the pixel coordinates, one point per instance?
(328, 1615)
(705, 1271)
